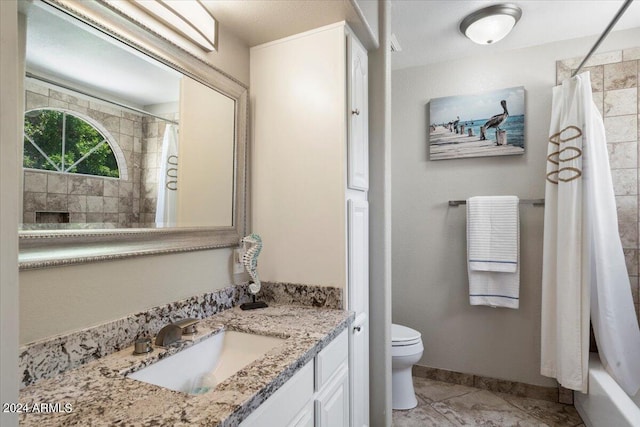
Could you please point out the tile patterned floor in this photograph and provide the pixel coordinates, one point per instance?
(443, 404)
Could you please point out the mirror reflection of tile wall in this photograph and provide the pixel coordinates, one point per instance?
(90, 201)
(614, 79)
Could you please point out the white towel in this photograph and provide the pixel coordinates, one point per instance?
(492, 249)
(492, 233)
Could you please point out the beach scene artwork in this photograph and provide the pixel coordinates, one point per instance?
(481, 125)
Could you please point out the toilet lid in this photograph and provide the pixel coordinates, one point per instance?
(403, 335)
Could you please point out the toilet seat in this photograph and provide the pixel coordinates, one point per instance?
(403, 336)
(405, 343)
(407, 350)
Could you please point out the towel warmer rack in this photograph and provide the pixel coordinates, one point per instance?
(534, 202)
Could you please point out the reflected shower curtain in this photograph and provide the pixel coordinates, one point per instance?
(166, 203)
(584, 271)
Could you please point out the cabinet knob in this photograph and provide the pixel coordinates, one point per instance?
(355, 112)
(357, 328)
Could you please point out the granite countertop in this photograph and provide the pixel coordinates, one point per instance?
(99, 393)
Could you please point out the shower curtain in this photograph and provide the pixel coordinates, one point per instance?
(584, 273)
(166, 203)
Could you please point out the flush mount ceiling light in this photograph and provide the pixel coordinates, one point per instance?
(189, 18)
(491, 24)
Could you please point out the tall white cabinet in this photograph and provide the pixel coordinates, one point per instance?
(310, 178)
(358, 227)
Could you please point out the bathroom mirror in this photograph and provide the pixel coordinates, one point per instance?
(132, 145)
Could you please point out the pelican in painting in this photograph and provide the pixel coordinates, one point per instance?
(498, 119)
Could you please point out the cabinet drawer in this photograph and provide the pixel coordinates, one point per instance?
(329, 359)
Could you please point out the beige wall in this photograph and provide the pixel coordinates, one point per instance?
(10, 106)
(299, 132)
(232, 56)
(430, 289)
(59, 300)
(205, 171)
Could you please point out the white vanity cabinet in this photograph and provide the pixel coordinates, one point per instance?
(332, 404)
(332, 384)
(306, 416)
(317, 395)
(285, 406)
(310, 176)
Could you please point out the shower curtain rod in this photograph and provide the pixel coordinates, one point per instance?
(604, 35)
(108, 101)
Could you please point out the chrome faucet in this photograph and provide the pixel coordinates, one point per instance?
(172, 333)
(168, 335)
(187, 325)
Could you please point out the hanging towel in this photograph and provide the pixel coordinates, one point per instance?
(493, 233)
(492, 250)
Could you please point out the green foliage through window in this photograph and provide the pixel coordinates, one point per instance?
(59, 141)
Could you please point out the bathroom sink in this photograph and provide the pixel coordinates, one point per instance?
(201, 367)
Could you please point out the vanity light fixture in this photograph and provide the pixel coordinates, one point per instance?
(189, 18)
(490, 24)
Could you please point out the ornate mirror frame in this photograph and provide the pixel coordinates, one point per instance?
(40, 249)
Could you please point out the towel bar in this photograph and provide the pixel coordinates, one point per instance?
(534, 202)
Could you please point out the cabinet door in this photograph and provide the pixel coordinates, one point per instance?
(332, 403)
(305, 417)
(283, 407)
(330, 359)
(359, 371)
(358, 235)
(358, 113)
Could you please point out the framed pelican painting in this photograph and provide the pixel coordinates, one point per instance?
(481, 125)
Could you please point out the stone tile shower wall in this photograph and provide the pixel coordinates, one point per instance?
(614, 79)
(103, 202)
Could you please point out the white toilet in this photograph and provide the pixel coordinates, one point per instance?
(406, 351)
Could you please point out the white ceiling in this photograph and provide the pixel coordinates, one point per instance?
(261, 21)
(428, 29)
